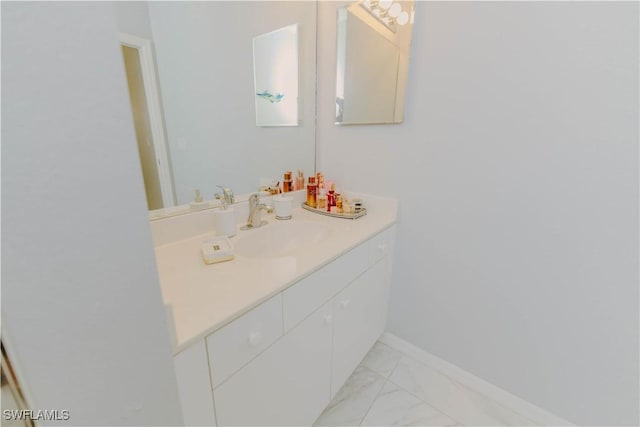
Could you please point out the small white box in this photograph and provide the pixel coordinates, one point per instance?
(217, 249)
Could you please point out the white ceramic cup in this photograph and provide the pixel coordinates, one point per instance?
(282, 206)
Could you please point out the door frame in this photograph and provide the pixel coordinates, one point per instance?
(154, 109)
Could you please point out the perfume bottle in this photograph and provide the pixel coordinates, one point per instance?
(299, 184)
(331, 197)
(320, 183)
(312, 192)
(287, 183)
(339, 203)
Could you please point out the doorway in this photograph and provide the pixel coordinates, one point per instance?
(148, 122)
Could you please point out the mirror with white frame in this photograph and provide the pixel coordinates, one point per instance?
(372, 61)
(200, 126)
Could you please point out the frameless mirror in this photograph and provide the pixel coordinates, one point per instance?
(275, 68)
(372, 61)
(201, 57)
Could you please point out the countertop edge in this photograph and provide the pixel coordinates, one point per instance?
(179, 347)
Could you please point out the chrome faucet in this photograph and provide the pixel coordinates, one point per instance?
(255, 211)
(226, 197)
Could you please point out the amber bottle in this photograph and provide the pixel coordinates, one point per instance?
(312, 190)
(287, 183)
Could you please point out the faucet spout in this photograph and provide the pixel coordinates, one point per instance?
(255, 212)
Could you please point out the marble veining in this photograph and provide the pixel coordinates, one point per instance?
(390, 388)
(396, 407)
(353, 400)
(382, 359)
(451, 397)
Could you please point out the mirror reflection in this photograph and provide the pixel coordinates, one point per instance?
(275, 68)
(372, 61)
(199, 131)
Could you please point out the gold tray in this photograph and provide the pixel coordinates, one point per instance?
(357, 215)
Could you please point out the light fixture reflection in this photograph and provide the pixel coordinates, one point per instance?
(403, 18)
(395, 10)
(388, 12)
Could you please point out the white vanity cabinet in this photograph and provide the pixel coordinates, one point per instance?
(286, 385)
(360, 317)
(234, 345)
(282, 362)
(194, 386)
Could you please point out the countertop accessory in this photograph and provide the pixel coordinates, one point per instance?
(255, 210)
(355, 215)
(217, 249)
(282, 206)
(312, 191)
(224, 221)
(287, 183)
(227, 195)
(198, 203)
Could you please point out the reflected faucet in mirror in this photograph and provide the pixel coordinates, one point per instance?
(226, 197)
(205, 108)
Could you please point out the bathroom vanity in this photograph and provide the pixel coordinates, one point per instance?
(270, 337)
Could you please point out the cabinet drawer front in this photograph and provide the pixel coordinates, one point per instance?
(234, 345)
(311, 292)
(288, 384)
(381, 245)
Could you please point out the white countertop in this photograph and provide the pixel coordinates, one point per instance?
(204, 298)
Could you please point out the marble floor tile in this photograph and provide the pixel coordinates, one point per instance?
(396, 407)
(352, 401)
(382, 359)
(452, 398)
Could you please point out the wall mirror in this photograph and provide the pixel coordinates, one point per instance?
(203, 57)
(372, 61)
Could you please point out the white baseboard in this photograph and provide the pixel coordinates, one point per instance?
(501, 396)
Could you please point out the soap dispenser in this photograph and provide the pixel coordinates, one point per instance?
(198, 203)
(224, 220)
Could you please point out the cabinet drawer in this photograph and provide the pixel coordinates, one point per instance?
(304, 297)
(381, 245)
(233, 346)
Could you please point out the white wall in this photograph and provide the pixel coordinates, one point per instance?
(517, 174)
(132, 17)
(81, 299)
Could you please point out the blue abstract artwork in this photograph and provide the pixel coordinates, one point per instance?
(270, 97)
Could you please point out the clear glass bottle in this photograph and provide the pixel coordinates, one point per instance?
(320, 182)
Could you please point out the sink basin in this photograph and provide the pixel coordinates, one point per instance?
(280, 239)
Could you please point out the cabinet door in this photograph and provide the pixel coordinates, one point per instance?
(286, 385)
(196, 398)
(360, 318)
